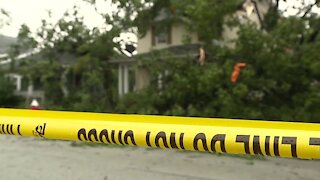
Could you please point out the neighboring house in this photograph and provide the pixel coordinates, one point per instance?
(30, 88)
(157, 37)
(174, 38)
(5, 43)
(23, 85)
(177, 39)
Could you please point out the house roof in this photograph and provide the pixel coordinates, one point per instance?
(5, 43)
(180, 51)
(35, 55)
(5, 62)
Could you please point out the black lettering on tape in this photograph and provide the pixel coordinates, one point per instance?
(19, 130)
(104, 136)
(4, 132)
(148, 139)
(267, 145)
(39, 130)
(120, 137)
(127, 135)
(11, 129)
(1, 129)
(181, 141)
(276, 146)
(93, 132)
(104, 133)
(314, 141)
(216, 138)
(256, 145)
(173, 143)
(83, 133)
(113, 139)
(244, 139)
(161, 135)
(293, 142)
(202, 138)
(8, 129)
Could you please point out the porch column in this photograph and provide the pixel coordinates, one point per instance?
(30, 88)
(120, 81)
(18, 85)
(126, 79)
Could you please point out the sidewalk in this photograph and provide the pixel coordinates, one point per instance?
(36, 159)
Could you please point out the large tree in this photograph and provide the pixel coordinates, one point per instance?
(4, 17)
(7, 96)
(280, 81)
(72, 63)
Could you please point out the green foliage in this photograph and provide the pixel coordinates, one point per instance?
(205, 17)
(72, 65)
(96, 90)
(280, 81)
(4, 17)
(7, 96)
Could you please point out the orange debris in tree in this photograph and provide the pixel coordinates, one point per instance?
(236, 71)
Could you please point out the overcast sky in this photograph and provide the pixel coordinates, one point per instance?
(31, 12)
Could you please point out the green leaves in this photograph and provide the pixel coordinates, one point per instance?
(280, 81)
(7, 97)
(4, 17)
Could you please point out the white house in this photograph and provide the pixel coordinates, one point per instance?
(23, 85)
(252, 11)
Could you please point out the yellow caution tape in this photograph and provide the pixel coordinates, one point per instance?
(284, 139)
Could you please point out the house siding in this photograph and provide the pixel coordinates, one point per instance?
(177, 37)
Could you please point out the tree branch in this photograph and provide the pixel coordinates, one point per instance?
(259, 15)
(309, 9)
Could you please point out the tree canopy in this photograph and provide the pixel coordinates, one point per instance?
(280, 82)
(4, 17)
(7, 97)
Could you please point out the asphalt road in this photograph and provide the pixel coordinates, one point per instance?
(37, 159)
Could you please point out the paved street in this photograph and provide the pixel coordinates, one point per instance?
(37, 159)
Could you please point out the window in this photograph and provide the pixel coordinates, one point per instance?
(161, 35)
